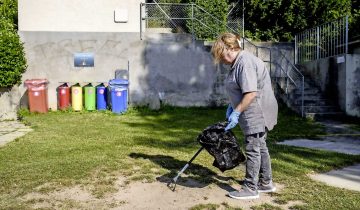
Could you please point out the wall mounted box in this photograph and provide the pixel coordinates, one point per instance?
(121, 15)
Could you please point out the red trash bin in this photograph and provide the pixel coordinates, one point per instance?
(37, 93)
(63, 96)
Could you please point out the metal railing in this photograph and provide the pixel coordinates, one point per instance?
(182, 18)
(289, 77)
(326, 40)
(284, 73)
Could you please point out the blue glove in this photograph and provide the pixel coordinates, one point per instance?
(233, 120)
(229, 111)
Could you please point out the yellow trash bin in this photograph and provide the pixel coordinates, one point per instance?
(76, 97)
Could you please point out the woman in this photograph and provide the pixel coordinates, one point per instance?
(253, 106)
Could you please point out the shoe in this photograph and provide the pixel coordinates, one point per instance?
(266, 188)
(244, 193)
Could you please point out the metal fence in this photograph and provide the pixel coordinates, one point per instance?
(235, 17)
(323, 41)
(184, 18)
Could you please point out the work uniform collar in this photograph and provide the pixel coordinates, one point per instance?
(237, 58)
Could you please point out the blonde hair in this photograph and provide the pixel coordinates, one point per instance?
(225, 41)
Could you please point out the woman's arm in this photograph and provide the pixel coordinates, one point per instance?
(247, 99)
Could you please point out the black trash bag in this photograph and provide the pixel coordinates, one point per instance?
(222, 145)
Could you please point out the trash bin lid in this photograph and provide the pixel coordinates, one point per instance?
(101, 85)
(119, 89)
(118, 82)
(36, 82)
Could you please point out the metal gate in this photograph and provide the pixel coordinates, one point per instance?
(323, 41)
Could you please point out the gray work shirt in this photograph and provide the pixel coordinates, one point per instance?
(249, 74)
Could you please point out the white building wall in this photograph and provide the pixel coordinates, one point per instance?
(78, 15)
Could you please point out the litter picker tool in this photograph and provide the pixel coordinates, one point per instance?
(172, 183)
(221, 144)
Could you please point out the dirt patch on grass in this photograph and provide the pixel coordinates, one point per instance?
(143, 195)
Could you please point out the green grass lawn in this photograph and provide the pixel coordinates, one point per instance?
(93, 148)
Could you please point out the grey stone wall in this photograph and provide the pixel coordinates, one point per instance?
(178, 70)
(170, 68)
(9, 102)
(321, 71)
(338, 77)
(163, 68)
(353, 85)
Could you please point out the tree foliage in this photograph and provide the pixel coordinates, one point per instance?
(209, 18)
(276, 20)
(8, 10)
(280, 20)
(12, 56)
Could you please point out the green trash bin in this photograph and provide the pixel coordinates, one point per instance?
(90, 97)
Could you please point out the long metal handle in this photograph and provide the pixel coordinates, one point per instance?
(180, 172)
(174, 180)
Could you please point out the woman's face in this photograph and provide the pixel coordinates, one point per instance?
(229, 56)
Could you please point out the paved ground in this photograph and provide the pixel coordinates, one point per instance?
(348, 178)
(10, 130)
(341, 139)
(338, 144)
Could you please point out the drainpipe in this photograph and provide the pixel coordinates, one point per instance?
(243, 20)
(296, 51)
(347, 34)
(141, 4)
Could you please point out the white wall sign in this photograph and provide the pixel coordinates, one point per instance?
(340, 59)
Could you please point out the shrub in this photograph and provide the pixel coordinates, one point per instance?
(280, 20)
(12, 56)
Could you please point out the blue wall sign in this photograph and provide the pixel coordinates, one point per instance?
(84, 59)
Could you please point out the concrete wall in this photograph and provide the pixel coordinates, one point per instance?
(322, 72)
(9, 102)
(338, 77)
(162, 67)
(179, 69)
(353, 85)
(79, 15)
(170, 68)
(286, 48)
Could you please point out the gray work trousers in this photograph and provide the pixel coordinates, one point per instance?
(258, 166)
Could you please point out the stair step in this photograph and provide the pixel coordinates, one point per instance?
(316, 104)
(313, 98)
(313, 102)
(310, 85)
(309, 96)
(324, 115)
(307, 91)
(319, 109)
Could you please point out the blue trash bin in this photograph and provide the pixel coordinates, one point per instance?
(101, 95)
(118, 95)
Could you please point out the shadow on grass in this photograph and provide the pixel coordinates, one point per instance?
(195, 176)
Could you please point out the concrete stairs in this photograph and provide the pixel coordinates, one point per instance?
(316, 105)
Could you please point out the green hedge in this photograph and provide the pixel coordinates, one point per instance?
(280, 20)
(275, 20)
(12, 56)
